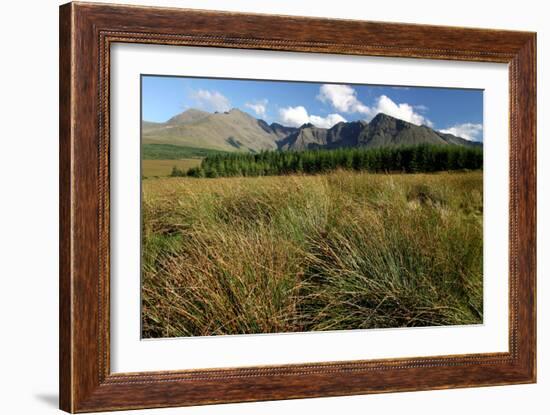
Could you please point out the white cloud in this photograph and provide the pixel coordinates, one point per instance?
(294, 116)
(259, 107)
(420, 108)
(343, 98)
(469, 131)
(402, 111)
(326, 122)
(297, 116)
(211, 100)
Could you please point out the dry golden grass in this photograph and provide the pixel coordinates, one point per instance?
(343, 250)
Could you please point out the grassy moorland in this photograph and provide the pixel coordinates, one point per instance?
(159, 160)
(340, 250)
(164, 168)
(173, 152)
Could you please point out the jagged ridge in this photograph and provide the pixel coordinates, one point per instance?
(236, 130)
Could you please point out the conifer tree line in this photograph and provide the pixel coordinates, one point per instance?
(403, 159)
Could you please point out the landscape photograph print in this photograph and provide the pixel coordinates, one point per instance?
(274, 206)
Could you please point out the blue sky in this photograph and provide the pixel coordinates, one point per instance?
(457, 111)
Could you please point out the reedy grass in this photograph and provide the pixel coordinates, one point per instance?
(343, 250)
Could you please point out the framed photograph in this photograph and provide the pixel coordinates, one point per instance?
(260, 207)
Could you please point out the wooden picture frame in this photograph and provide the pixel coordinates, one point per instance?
(86, 33)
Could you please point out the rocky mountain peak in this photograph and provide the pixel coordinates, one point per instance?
(238, 130)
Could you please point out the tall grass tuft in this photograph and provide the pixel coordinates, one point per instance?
(344, 250)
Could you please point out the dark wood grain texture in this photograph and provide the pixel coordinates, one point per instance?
(65, 156)
(86, 33)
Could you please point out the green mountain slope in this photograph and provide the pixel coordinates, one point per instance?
(236, 130)
(228, 131)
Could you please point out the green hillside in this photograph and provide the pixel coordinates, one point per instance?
(174, 152)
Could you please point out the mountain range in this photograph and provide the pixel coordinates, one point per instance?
(236, 130)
